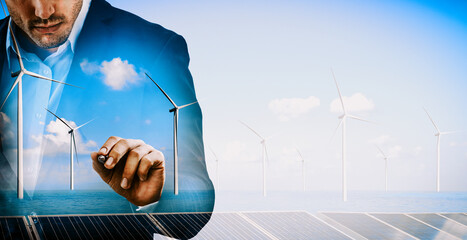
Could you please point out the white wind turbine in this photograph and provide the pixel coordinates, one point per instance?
(72, 146)
(343, 118)
(217, 168)
(438, 146)
(264, 155)
(385, 157)
(302, 160)
(19, 82)
(175, 110)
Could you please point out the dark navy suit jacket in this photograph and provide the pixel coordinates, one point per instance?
(110, 33)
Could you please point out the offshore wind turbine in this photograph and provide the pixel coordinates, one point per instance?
(72, 145)
(302, 160)
(343, 118)
(438, 147)
(264, 155)
(385, 157)
(19, 82)
(175, 110)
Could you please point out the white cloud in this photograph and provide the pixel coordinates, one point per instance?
(116, 74)
(289, 108)
(395, 151)
(418, 150)
(356, 103)
(381, 140)
(57, 141)
(458, 144)
(5, 127)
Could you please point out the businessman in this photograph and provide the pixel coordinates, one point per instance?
(105, 51)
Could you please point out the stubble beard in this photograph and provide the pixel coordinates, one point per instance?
(52, 40)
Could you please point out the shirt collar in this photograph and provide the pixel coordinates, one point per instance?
(75, 31)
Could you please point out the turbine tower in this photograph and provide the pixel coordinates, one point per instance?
(19, 82)
(175, 110)
(385, 157)
(302, 160)
(72, 146)
(438, 147)
(343, 118)
(264, 155)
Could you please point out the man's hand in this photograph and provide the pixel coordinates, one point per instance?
(133, 169)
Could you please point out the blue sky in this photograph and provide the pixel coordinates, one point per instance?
(400, 55)
(268, 64)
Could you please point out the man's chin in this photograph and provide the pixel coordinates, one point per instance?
(49, 42)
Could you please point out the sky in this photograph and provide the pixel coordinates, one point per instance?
(268, 64)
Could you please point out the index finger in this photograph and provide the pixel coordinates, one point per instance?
(108, 145)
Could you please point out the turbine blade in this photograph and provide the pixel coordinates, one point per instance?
(335, 131)
(266, 152)
(59, 119)
(338, 91)
(300, 154)
(167, 96)
(450, 132)
(381, 151)
(84, 124)
(431, 119)
(48, 79)
(186, 105)
(361, 119)
(262, 138)
(74, 143)
(4, 11)
(11, 90)
(213, 153)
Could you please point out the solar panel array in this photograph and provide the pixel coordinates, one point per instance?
(119, 226)
(14, 228)
(402, 225)
(240, 225)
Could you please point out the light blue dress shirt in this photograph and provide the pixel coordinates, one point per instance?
(38, 94)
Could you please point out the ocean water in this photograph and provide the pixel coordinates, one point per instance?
(100, 202)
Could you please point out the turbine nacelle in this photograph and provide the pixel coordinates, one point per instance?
(71, 131)
(173, 109)
(15, 74)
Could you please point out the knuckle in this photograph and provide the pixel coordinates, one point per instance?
(114, 138)
(134, 154)
(123, 143)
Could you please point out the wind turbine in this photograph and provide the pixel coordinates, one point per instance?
(19, 82)
(438, 146)
(72, 145)
(264, 155)
(175, 110)
(302, 160)
(385, 157)
(343, 118)
(217, 168)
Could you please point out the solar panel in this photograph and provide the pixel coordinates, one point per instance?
(219, 226)
(458, 217)
(367, 226)
(294, 225)
(412, 226)
(14, 228)
(443, 223)
(115, 226)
